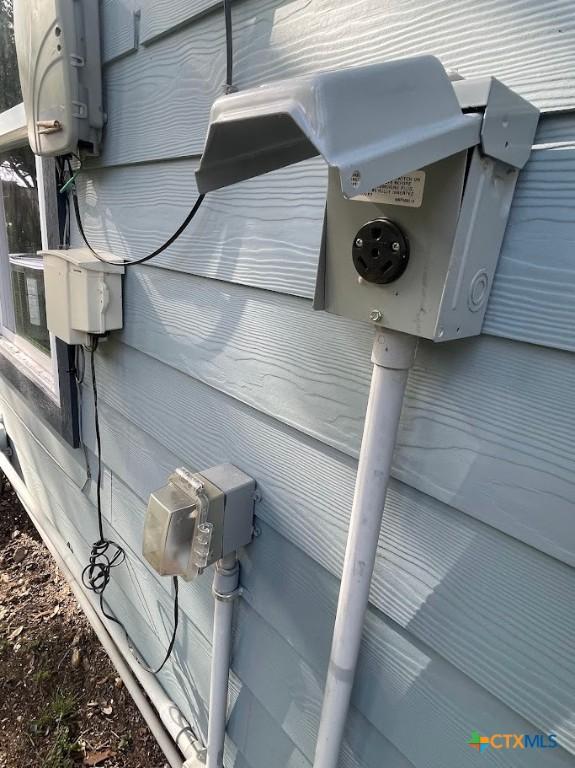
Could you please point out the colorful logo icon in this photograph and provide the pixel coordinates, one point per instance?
(512, 741)
(480, 743)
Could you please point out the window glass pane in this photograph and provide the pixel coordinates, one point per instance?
(21, 211)
(29, 300)
(20, 195)
(10, 93)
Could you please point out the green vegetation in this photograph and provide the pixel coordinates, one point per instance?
(59, 708)
(63, 750)
(41, 675)
(57, 711)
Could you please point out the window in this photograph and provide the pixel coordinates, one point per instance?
(34, 362)
(23, 311)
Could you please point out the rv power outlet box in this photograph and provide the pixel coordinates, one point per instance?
(419, 253)
(58, 50)
(83, 294)
(422, 172)
(198, 518)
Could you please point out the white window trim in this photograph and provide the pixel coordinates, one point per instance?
(42, 369)
(13, 130)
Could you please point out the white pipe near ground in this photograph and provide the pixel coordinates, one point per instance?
(392, 356)
(225, 590)
(166, 723)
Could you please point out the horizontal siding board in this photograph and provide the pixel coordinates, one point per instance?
(266, 232)
(454, 584)
(529, 47)
(158, 100)
(555, 130)
(486, 440)
(476, 432)
(270, 241)
(70, 460)
(27, 432)
(399, 684)
(423, 581)
(533, 292)
(159, 19)
(118, 28)
(307, 369)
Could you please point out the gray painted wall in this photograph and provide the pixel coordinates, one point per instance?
(222, 359)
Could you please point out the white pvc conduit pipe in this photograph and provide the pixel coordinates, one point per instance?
(225, 590)
(392, 356)
(166, 717)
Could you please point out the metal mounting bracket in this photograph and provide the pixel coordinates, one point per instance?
(509, 121)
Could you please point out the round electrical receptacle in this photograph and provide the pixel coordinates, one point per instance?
(380, 251)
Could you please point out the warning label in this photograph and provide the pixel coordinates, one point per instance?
(406, 190)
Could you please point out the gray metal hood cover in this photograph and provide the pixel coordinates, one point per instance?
(372, 123)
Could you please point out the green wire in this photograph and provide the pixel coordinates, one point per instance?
(70, 181)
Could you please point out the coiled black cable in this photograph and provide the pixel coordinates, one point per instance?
(106, 554)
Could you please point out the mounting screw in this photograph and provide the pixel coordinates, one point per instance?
(359, 242)
(395, 246)
(375, 315)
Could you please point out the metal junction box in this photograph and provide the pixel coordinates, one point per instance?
(447, 224)
(422, 172)
(83, 294)
(198, 518)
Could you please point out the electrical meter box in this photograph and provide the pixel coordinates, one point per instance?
(198, 518)
(83, 294)
(422, 171)
(58, 50)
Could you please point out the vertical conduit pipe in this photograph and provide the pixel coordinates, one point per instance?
(392, 356)
(225, 589)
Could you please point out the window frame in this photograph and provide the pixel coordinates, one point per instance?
(47, 381)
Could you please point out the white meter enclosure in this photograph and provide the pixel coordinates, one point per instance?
(83, 294)
(422, 172)
(58, 49)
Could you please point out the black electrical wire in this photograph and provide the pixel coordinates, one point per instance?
(71, 181)
(229, 87)
(105, 553)
(143, 259)
(229, 47)
(79, 371)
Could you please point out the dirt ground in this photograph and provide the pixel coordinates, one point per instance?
(61, 702)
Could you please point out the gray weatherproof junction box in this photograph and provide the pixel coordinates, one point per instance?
(422, 172)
